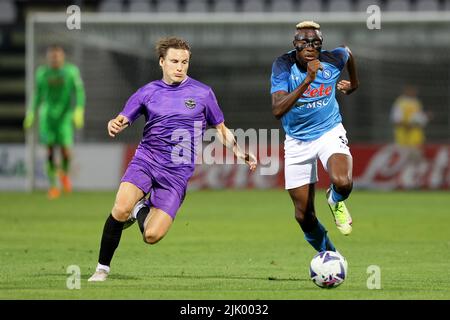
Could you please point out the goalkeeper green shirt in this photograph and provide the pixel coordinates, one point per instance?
(57, 92)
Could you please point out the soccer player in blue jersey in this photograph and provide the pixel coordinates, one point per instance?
(177, 110)
(304, 83)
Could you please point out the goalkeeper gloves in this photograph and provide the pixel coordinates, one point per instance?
(78, 117)
(29, 119)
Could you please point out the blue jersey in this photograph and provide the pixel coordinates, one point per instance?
(317, 111)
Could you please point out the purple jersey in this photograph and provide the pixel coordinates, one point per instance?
(176, 118)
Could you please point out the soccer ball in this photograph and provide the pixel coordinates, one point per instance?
(328, 269)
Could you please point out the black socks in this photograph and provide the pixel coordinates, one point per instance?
(112, 231)
(141, 216)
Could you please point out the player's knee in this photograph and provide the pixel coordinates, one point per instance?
(121, 212)
(304, 216)
(152, 236)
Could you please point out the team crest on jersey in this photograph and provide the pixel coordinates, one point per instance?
(327, 74)
(190, 103)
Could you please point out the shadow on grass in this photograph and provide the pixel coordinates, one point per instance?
(225, 277)
(119, 276)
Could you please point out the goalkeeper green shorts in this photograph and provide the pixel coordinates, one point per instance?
(60, 134)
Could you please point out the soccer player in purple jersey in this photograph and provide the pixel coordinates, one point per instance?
(304, 82)
(174, 107)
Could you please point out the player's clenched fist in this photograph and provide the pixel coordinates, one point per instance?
(312, 68)
(345, 87)
(116, 125)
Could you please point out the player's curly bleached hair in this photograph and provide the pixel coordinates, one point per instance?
(308, 25)
(164, 44)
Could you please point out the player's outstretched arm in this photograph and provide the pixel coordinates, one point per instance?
(117, 125)
(229, 141)
(283, 101)
(345, 86)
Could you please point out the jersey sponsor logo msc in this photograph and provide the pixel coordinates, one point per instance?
(317, 111)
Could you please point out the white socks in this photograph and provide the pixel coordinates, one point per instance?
(102, 267)
(330, 199)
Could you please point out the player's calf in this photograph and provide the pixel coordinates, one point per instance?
(315, 233)
(306, 220)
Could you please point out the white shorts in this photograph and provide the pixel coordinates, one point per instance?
(300, 157)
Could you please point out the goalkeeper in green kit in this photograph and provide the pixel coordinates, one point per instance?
(58, 84)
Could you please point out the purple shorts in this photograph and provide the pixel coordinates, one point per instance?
(167, 186)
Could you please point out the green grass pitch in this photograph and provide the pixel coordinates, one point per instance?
(235, 244)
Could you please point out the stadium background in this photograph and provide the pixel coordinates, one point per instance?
(234, 56)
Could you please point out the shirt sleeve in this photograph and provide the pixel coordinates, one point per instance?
(342, 55)
(280, 76)
(213, 113)
(134, 107)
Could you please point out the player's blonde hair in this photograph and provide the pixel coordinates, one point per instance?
(308, 25)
